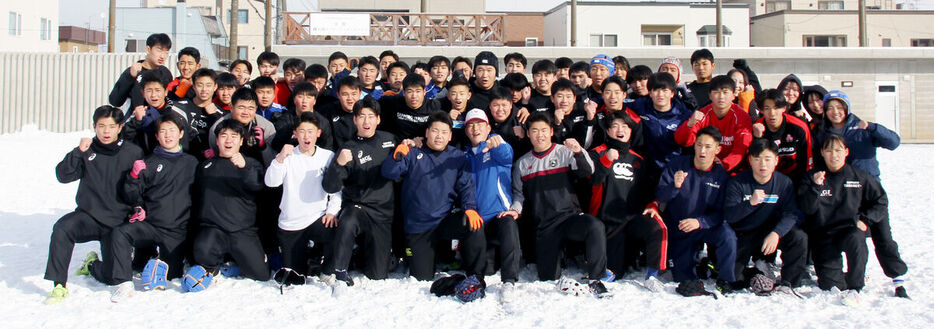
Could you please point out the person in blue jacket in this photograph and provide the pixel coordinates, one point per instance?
(435, 176)
(862, 139)
(490, 160)
(661, 115)
(690, 194)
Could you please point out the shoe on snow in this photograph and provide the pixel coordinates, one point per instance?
(507, 292)
(598, 289)
(901, 292)
(90, 258)
(653, 284)
(850, 298)
(123, 291)
(343, 276)
(724, 287)
(57, 296)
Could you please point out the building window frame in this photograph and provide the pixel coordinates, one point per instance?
(830, 5)
(823, 40)
(777, 5)
(657, 38)
(16, 24)
(243, 16)
(922, 42)
(604, 40)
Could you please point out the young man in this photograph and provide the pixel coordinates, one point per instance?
(440, 69)
(515, 63)
(621, 189)
(386, 58)
(227, 185)
(579, 75)
(462, 65)
(158, 187)
(569, 114)
(563, 68)
(267, 107)
(293, 72)
(308, 212)
(661, 115)
(542, 189)
(504, 121)
(202, 111)
(368, 72)
(840, 202)
(601, 68)
(455, 104)
(304, 96)
(690, 194)
(243, 70)
(101, 165)
(543, 76)
(786, 131)
(226, 86)
(337, 63)
(732, 122)
(672, 65)
(260, 131)
(703, 66)
(760, 207)
(484, 79)
(340, 112)
(638, 81)
(407, 115)
(614, 100)
(127, 86)
(189, 61)
(368, 200)
(396, 72)
(490, 159)
(317, 75)
(268, 65)
(429, 217)
(139, 127)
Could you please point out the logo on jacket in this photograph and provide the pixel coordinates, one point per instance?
(388, 144)
(553, 163)
(486, 157)
(419, 157)
(363, 159)
(788, 138)
(159, 168)
(852, 184)
(336, 119)
(727, 141)
(622, 170)
(93, 155)
(714, 185)
(672, 127)
(825, 193)
(208, 165)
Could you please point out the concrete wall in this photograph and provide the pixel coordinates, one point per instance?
(911, 68)
(557, 31)
(31, 14)
(519, 26)
(788, 28)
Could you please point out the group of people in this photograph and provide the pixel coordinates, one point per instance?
(599, 165)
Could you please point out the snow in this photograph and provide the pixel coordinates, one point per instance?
(32, 200)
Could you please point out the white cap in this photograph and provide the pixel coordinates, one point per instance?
(476, 114)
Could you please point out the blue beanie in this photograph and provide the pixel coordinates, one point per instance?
(840, 96)
(604, 60)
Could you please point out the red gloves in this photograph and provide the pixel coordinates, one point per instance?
(138, 166)
(139, 215)
(474, 219)
(401, 151)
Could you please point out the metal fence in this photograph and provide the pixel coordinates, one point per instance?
(57, 91)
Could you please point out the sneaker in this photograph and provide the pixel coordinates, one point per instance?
(343, 276)
(57, 296)
(901, 292)
(90, 258)
(850, 298)
(653, 284)
(598, 289)
(328, 279)
(507, 292)
(703, 268)
(124, 290)
(724, 287)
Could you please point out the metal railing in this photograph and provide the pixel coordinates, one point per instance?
(406, 29)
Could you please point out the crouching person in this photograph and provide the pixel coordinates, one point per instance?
(839, 203)
(227, 187)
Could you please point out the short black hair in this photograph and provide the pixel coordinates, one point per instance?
(563, 62)
(421, 65)
(514, 81)
(661, 80)
(202, 72)
(617, 80)
(316, 71)
(563, 84)
(369, 60)
(349, 81)
(458, 81)
(309, 117)
(579, 67)
(722, 82)
(170, 117)
(190, 51)
(244, 94)
(366, 103)
(294, 64)
(711, 131)
(268, 57)
(305, 88)
(249, 67)
(107, 111)
(225, 79)
(461, 59)
(831, 139)
(760, 145)
(151, 76)
(436, 60)
(638, 72)
(439, 116)
(519, 57)
(413, 80)
(337, 55)
(771, 94)
(263, 82)
(621, 63)
(544, 65)
(619, 115)
(231, 124)
(398, 64)
(389, 53)
(700, 54)
(500, 92)
(539, 117)
(159, 39)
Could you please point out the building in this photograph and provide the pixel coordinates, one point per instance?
(761, 7)
(401, 6)
(186, 26)
(32, 26)
(76, 39)
(637, 24)
(840, 28)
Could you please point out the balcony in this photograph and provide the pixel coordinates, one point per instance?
(402, 29)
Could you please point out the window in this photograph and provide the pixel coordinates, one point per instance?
(531, 42)
(45, 29)
(771, 6)
(135, 46)
(243, 16)
(603, 40)
(711, 40)
(241, 52)
(16, 24)
(825, 41)
(609, 40)
(656, 39)
(922, 42)
(886, 42)
(830, 5)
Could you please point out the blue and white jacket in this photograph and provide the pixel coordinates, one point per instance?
(492, 175)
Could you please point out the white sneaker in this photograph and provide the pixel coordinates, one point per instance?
(124, 290)
(329, 280)
(507, 292)
(653, 284)
(850, 298)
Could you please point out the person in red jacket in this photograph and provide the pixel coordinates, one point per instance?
(729, 118)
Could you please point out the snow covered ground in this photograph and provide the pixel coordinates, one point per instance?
(31, 200)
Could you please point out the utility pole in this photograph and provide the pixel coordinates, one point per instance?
(269, 17)
(111, 29)
(573, 23)
(719, 23)
(233, 53)
(863, 38)
(424, 7)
